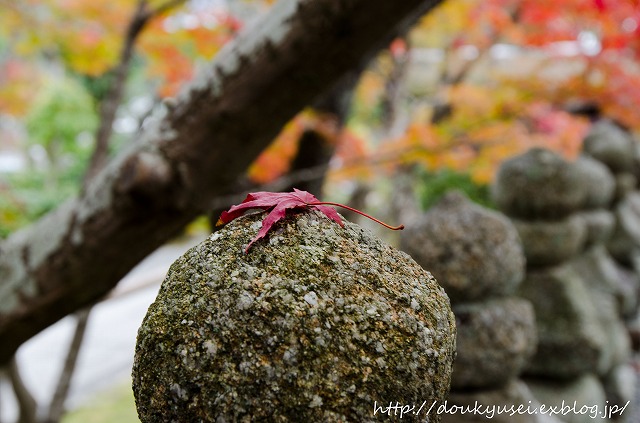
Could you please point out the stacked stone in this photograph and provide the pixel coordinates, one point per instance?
(316, 323)
(615, 148)
(476, 255)
(559, 210)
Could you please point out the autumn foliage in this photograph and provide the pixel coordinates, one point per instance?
(278, 203)
(509, 75)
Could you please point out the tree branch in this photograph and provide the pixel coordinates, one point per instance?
(27, 405)
(113, 99)
(56, 408)
(193, 149)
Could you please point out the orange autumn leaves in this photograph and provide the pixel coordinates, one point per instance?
(87, 38)
(494, 115)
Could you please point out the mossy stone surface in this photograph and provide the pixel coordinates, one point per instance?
(496, 338)
(571, 341)
(474, 252)
(551, 242)
(539, 184)
(314, 324)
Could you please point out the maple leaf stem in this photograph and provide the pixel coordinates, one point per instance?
(329, 203)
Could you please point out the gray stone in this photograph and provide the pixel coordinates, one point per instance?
(599, 272)
(600, 182)
(598, 269)
(633, 326)
(628, 290)
(314, 323)
(496, 338)
(497, 406)
(610, 144)
(620, 384)
(474, 252)
(571, 341)
(599, 224)
(625, 184)
(626, 235)
(549, 242)
(539, 184)
(585, 391)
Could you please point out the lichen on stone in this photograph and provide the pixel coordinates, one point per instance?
(315, 323)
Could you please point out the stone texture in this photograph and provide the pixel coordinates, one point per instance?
(620, 385)
(513, 394)
(585, 391)
(610, 144)
(495, 340)
(599, 224)
(626, 183)
(474, 252)
(551, 242)
(570, 339)
(599, 271)
(539, 185)
(626, 235)
(600, 182)
(315, 323)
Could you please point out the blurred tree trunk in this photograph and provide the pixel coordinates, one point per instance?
(190, 152)
(315, 150)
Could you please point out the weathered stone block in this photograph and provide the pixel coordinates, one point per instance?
(551, 242)
(610, 144)
(626, 183)
(496, 338)
(472, 251)
(495, 405)
(539, 185)
(620, 385)
(586, 391)
(571, 341)
(313, 324)
(626, 235)
(599, 224)
(598, 270)
(600, 182)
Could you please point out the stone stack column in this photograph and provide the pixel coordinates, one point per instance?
(558, 210)
(476, 255)
(616, 149)
(316, 323)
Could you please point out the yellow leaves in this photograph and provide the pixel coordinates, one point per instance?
(448, 20)
(87, 35)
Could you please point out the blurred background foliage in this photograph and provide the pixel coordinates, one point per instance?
(472, 84)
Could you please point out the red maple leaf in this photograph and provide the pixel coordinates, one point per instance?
(278, 203)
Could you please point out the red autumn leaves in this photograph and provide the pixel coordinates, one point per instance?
(277, 203)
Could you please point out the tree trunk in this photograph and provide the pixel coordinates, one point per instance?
(194, 148)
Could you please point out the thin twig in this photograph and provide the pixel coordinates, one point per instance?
(26, 402)
(56, 409)
(114, 96)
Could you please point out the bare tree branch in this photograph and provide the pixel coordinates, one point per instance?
(57, 409)
(193, 149)
(113, 99)
(27, 405)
